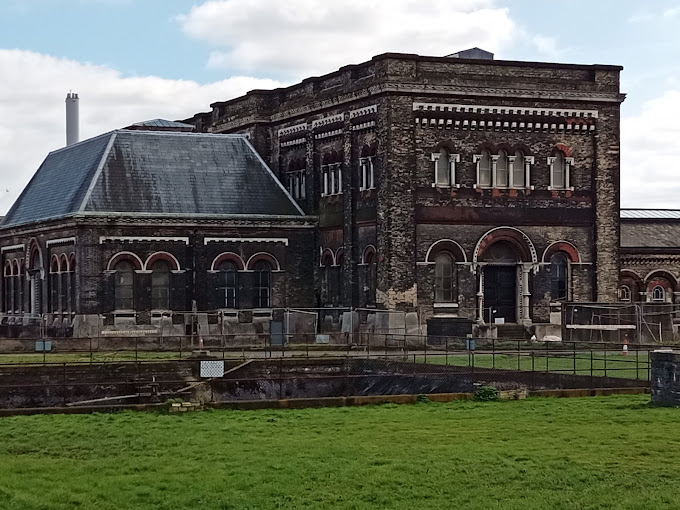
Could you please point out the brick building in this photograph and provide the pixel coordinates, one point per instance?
(457, 187)
(125, 230)
(454, 188)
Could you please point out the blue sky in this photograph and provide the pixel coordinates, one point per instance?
(136, 59)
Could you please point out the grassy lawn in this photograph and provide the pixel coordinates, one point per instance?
(610, 452)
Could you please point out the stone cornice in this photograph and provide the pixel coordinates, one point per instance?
(423, 90)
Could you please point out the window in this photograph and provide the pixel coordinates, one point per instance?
(502, 171)
(54, 285)
(445, 168)
(124, 286)
(228, 284)
(559, 170)
(160, 285)
(339, 278)
(262, 284)
(7, 290)
(625, 293)
(331, 179)
(370, 277)
(296, 184)
(559, 275)
(658, 293)
(518, 175)
(483, 161)
(443, 274)
(367, 175)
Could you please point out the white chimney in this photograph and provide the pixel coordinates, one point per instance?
(72, 122)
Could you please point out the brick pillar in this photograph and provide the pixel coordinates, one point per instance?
(350, 189)
(607, 204)
(396, 229)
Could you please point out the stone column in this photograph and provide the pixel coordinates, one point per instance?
(526, 294)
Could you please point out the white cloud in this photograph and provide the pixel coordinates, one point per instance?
(300, 38)
(650, 153)
(32, 93)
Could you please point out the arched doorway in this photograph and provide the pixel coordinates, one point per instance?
(501, 276)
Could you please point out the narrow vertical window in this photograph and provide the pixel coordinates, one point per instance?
(370, 278)
(443, 169)
(484, 170)
(625, 293)
(54, 285)
(502, 175)
(229, 284)
(518, 173)
(124, 286)
(262, 272)
(443, 273)
(558, 173)
(160, 285)
(559, 276)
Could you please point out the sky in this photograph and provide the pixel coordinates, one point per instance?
(134, 60)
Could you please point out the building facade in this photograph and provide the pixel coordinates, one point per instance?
(452, 188)
(457, 187)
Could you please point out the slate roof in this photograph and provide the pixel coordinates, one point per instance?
(650, 235)
(152, 172)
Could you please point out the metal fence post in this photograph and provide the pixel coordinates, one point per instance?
(637, 363)
(493, 353)
(64, 383)
(519, 356)
(574, 347)
(605, 358)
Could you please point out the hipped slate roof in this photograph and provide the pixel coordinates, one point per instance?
(147, 172)
(650, 235)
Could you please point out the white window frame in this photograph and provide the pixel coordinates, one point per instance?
(325, 180)
(367, 173)
(528, 161)
(568, 163)
(453, 159)
(663, 294)
(297, 184)
(477, 159)
(625, 294)
(331, 179)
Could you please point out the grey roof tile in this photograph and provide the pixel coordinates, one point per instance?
(149, 172)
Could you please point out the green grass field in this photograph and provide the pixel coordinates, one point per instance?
(590, 453)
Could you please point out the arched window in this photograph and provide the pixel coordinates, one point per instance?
(658, 294)
(160, 285)
(64, 291)
(371, 268)
(339, 278)
(228, 284)
(262, 284)
(559, 276)
(443, 169)
(72, 286)
(55, 281)
(558, 174)
(484, 170)
(16, 287)
(443, 275)
(125, 285)
(518, 175)
(502, 174)
(625, 293)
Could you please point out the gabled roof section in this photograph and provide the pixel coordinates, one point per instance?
(650, 214)
(58, 187)
(153, 173)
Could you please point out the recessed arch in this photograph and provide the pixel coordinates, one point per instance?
(15, 267)
(125, 255)
(35, 255)
(447, 145)
(162, 255)
(565, 246)
(661, 273)
(8, 268)
(54, 264)
(368, 252)
(487, 146)
(230, 257)
(72, 261)
(327, 255)
(267, 257)
(560, 147)
(63, 263)
(514, 236)
(339, 256)
(448, 245)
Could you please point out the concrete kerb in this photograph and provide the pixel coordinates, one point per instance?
(309, 403)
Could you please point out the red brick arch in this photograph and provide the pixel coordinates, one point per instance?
(125, 255)
(165, 256)
(518, 239)
(564, 246)
(267, 257)
(228, 257)
(562, 147)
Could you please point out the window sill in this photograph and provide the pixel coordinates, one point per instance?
(445, 305)
(551, 188)
(445, 186)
